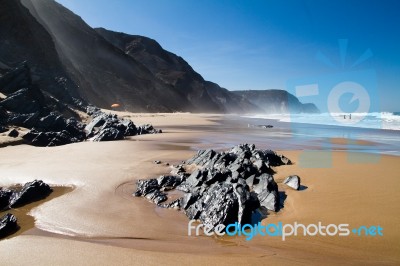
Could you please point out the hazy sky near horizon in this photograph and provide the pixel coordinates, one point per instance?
(266, 44)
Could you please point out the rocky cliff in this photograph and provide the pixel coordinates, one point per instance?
(76, 65)
(277, 101)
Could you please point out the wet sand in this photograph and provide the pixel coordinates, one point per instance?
(100, 223)
(25, 220)
(344, 141)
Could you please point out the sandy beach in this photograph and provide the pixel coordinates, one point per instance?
(92, 217)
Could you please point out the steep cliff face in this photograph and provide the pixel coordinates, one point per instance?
(277, 101)
(143, 77)
(24, 39)
(175, 71)
(104, 73)
(76, 64)
(232, 102)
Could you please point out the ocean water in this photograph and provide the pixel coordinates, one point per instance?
(384, 120)
(316, 131)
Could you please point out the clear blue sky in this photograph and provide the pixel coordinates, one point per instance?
(263, 44)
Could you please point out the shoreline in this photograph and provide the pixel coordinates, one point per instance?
(283, 135)
(286, 118)
(107, 221)
(383, 141)
(26, 221)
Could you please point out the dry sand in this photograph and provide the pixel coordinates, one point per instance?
(99, 222)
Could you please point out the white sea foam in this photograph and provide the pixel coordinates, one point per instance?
(384, 120)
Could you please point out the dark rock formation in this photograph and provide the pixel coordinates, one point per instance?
(25, 94)
(49, 139)
(3, 129)
(52, 122)
(29, 107)
(242, 158)
(147, 129)
(13, 133)
(175, 204)
(39, 93)
(24, 101)
(152, 188)
(31, 191)
(226, 187)
(19, 77)
(267, 192)
(23, 120)
(14, 198)
(293, 181)
(218, 205)
(24, 39)
(93, 111)
(106, 127)
(109, 126)
(145, 187)
(55, 130)
(8, 225)
(109, 134)
(168, 182)
(5, 195)
(3, 115)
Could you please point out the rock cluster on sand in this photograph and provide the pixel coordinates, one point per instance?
(28, 106)
(54, 130)
(226, 187)
(105, 127)
(13, 198)
(31, 191)
(8, 225)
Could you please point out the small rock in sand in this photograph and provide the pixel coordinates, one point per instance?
(293, 181)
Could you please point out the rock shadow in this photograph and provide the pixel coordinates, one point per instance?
(302, 187)
(282, 198)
